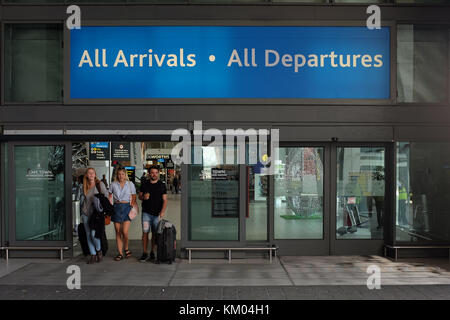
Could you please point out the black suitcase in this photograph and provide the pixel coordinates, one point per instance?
(83, 239)
(166, 241)
(104, 243)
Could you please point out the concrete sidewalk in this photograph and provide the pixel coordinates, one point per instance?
(286, 278)
(284, 271)
(405, 292)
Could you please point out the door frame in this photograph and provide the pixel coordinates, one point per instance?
(329, 244)
(186, 215)
(305, 246)
(362, 246)
(246, 201)
(68, 241)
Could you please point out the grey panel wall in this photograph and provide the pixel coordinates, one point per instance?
(438, 13)
(360, 120)
(341, 133)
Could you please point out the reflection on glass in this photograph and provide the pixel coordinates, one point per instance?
(99, 1)
(299, 194)
(257, 210)
(40, 198)
(360, 1)
(4, 186)
(213, 198)
(33, 62)
(422, 1)
(423, 192)
(360, 193)
(227, 1)
(300, 1)
(34, 1)
(418, 81)
(158, 1)
(256, 223)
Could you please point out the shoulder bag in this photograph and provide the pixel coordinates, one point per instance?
(134, 210)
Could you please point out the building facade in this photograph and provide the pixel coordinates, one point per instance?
(361, 163)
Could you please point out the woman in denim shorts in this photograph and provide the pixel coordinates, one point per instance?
(124, 197)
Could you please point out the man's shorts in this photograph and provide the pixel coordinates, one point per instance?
(149, 220)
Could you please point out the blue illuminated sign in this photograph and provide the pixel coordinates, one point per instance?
(229, 62)
(101, 145)
(99, 151)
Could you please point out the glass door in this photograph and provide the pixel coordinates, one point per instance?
(361, 205)
(301, 219)
(214, 199)
(39, 194)
(323, 199)
(330, 199)
(257, 204)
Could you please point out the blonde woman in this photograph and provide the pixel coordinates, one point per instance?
(124, 198)
(87, 205)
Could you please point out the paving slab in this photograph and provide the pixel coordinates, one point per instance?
(209, 273)
(12, 266)
(425, 292)
(107, 273)
(199, 293)
(345, 270)
(246, 272)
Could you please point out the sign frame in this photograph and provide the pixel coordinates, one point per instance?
(220, 182)
(93, 156)
(235, 101)
(113, 149)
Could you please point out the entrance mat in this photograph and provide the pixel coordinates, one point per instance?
(296, 217)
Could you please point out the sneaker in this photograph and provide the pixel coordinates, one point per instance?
(144, 257)
(152, 256)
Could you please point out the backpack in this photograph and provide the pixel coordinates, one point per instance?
(83, 239)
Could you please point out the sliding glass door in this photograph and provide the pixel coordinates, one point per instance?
(323, 199)
(331, 199)
(300, 218)
(360, 207)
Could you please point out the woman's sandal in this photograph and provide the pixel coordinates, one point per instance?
(118, 257)
(127, 254)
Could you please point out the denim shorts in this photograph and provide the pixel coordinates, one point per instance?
(149, 220)
(121, 211)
